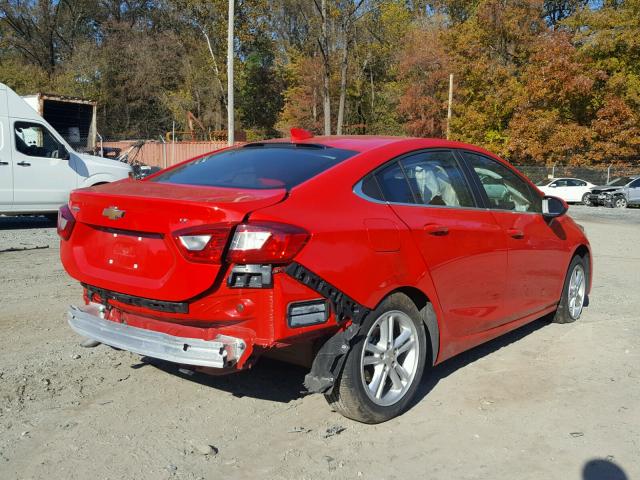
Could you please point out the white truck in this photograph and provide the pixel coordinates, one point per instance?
(38, 168)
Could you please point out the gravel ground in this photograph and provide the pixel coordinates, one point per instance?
(547, 401)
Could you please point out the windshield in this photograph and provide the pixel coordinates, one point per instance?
(257, 166)
(620, 182)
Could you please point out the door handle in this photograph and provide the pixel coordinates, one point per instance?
(24, 164)
(515, 233)
(4, 163)
(435, 229)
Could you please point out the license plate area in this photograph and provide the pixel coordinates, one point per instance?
(131, 252)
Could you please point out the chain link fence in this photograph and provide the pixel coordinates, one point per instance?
(596, 175)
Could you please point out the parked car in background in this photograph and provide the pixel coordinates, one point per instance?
(38, 168)
(374, 258)
(572, 190)
(618, 193)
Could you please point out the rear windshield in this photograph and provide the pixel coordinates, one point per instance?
(260, 166)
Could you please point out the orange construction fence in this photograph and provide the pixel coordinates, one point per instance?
(165, 154)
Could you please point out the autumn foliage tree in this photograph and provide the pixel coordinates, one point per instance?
(537, 81)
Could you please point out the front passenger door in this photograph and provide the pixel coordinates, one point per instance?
(42, 176)
(537, 250)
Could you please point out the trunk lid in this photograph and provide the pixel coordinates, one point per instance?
(123, 238)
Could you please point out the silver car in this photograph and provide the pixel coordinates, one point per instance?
(618, 193)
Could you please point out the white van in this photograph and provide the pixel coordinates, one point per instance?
(38, 168)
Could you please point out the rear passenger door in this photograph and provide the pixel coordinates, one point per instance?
(463, 246)
(576, 188)
(537, 249)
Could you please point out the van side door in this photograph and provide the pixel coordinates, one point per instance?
(6, 166)
(42, 175)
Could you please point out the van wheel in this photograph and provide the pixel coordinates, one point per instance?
(383, 369)
(574, 292)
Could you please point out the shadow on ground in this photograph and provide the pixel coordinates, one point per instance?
(599, 469)
(452, 365)
(267, 380)
(26, 222)
(282, 382)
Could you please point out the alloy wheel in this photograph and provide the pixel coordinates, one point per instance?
(389, 358)
(577, 287)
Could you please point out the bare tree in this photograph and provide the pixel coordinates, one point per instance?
(323, 43)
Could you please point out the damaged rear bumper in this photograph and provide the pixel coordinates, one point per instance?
(222, 352)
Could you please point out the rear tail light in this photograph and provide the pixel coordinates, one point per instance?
(203, 244)
(266, 242)
(66, 222)
(259, 242)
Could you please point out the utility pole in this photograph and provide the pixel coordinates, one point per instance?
(449, 110)
(230, 106)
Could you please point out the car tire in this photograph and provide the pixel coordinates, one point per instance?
(586, 200)
(620, 202)
(377, 383)
(574, 294)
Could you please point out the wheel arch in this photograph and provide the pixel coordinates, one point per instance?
(584, 251)
(99, 178)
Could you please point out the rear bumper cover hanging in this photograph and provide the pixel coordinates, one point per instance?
(331, 356)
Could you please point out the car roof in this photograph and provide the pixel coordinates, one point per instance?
(568, 178)
(363, 143)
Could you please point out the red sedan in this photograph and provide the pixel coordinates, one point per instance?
(372, 258)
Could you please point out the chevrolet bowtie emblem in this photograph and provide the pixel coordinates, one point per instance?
(113, 213)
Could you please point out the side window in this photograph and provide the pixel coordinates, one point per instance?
(371, 188)
(436, 179)
(579, 183)
(505, 189)
(635, 184)
(425, 178)
(562, 183)
(35, 140)
(394, 184)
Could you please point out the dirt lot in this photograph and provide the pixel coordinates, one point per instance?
(547, 401)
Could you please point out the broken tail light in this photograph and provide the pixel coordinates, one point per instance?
(66, 222)
(266, 243)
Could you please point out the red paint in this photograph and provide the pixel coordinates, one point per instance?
(485, 271)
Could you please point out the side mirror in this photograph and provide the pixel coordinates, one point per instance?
(553, 185)
(553, 207)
